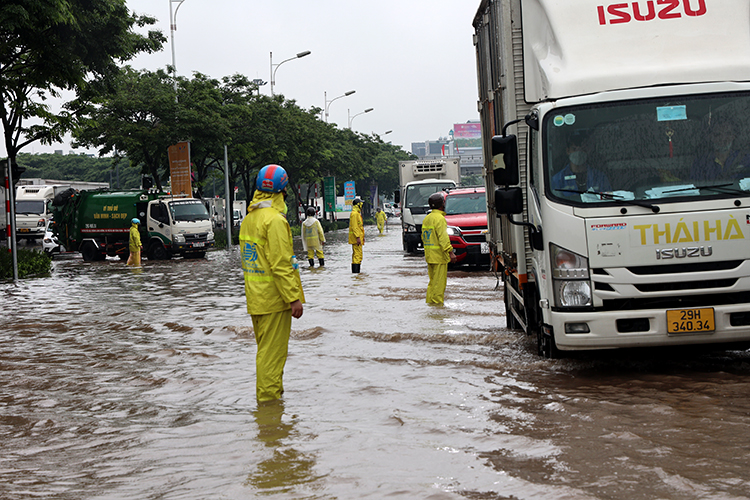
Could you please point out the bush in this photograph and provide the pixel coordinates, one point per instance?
(220, 238)
(30, 263)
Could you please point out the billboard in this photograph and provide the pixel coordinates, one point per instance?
(467, 130)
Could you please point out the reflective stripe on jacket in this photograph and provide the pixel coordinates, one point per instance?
(271, 281)
(435, 239)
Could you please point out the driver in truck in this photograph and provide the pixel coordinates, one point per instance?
(578, 176)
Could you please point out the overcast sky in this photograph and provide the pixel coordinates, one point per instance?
(411, 60)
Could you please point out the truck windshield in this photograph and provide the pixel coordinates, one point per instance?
(670, 149)
(418, 194)
(470, 203)
(188, 210)
(30, 207)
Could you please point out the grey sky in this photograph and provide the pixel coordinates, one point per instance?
(411, 60)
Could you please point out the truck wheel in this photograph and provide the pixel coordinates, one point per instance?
(546, 345)
(88, 251)
(157, 252)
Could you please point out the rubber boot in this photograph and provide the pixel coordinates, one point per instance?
(355, 268)
(322, 262)
(312, 262)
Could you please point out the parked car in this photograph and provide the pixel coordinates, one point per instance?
(50, 244)
(466, 215)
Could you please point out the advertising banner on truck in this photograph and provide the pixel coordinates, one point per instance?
(179, 169)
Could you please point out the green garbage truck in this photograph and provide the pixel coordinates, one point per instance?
(97, 224)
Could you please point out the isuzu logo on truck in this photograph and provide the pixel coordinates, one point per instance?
(681, 253)
(620, 13)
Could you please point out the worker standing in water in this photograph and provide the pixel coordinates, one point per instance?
(134, 244)
(356, 234)
(380, 218)
(438, 251)
(272, 284)
(313, 238)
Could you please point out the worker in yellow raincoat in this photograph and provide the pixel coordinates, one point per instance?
(313, 238)
(380, 219)
(134, 244)
(438, 251)
(356, 234)
(272, 284)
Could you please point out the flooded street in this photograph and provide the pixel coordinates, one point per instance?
(140, 384)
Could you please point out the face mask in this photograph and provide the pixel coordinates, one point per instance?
(578, 157)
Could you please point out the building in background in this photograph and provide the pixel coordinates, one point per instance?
(465, 141)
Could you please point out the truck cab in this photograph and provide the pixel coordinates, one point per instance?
(32, 212)
(178, 226)
(419, 179)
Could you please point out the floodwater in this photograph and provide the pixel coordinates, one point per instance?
(139, 384)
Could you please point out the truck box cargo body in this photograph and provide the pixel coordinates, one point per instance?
(97, 224)
(418, 179)
(617, 145)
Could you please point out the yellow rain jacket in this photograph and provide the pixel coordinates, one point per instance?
(271, 280)
(435, 239)
(135, 239)
(312, 234)
(356, 227)
(381, 218)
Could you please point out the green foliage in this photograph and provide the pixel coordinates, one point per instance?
(54, 45)
(30, 263)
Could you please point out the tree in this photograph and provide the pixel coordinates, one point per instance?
(137, 118)
(47, 46)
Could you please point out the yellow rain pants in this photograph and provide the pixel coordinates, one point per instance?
(438, 274)
(272, 336)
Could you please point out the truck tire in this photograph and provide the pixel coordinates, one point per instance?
(90, 253)
(157, 251)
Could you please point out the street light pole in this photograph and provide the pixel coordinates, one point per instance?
(328, 103)
(353, 117)
(172, 29)
(273, 71)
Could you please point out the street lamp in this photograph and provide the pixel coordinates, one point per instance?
(172, 29)
(353, 117)
(273, 71)
(328, 103)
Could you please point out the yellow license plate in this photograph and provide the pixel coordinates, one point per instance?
(691, 320)
(23, 230)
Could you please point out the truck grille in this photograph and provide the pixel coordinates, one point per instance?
(475, 238)
(190, 238)
(672, 286)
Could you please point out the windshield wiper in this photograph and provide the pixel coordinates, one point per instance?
(720, 188)
(615, 197)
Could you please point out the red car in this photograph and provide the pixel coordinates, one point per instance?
(466, 214)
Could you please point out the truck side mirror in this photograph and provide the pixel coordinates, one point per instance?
(508, 201)
(505, 172)
(397, 196)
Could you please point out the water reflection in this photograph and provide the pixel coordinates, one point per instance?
(287, 468)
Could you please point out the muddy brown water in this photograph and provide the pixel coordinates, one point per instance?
(139, 384)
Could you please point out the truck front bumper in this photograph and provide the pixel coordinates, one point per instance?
(193, 246)
(610, 329)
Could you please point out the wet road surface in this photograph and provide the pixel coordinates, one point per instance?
(120, 384)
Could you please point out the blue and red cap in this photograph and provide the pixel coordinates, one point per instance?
(272, 179)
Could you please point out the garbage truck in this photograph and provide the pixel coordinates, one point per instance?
(616, 140)
(97, 224)
(418, 179)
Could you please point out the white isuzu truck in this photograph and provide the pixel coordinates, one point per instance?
(418, 179)
(617, 159)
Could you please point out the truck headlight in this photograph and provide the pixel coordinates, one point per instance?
(410, 228)
(210, 235)
(570, 278)
(41, 223)
(179, 238)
